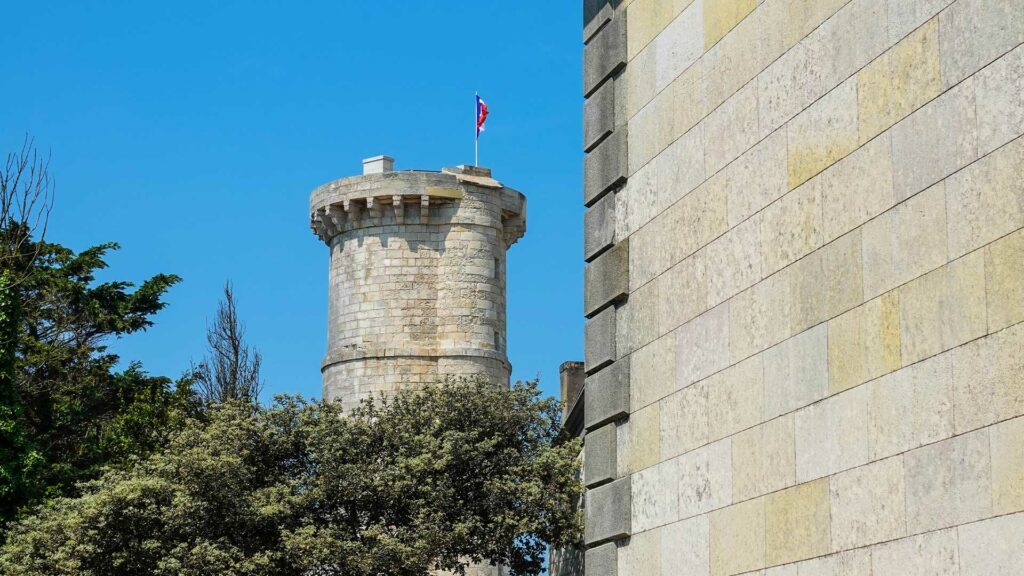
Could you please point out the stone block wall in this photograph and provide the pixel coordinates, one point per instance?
(813, 362)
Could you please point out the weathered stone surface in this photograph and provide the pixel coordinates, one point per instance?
(856, 189)
(600, 340)
(644, 435)
(678, 46)
(705, 479)
(607, 279)
(653, 372)
(986, 200)
(755, 179)
(993, 547)
(682, 293)
(605, 166)
(599, 456)
(608, 512)
(826, 283)
(789, 85)
(703, 346)
(763, 459)
(731, 129)
(595, 14)
(737, 538)
(653, 505)
(603, 560)
(904, 17)
(867, 504)
(737, 258)
(911, 408)
(822, 134)
(685, 547)
(1008, 466)
(720, 16)
(796, 372)
(1000, 101)
(988, 379)
(1004, 269)
(735, 398)
(797, 523)
(646, 19)
(864, 343)
(684, 420)
(791, 228)
(949, 483)
(604, 55)
(599, 227)
(935, 141)
(598, 115)
(932, 554)
(832, 435)
(975, 32)
(681, 105)
(607, 397)
(760, 316)
(641, 554)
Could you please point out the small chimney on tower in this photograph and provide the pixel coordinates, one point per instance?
(378, 165)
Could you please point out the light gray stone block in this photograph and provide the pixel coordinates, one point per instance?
(599, 350)
(604, 55)
(598, 115)
(599, 227)
(608, 512)
(607, 279)
(607, 397)
(949, 483)
(994, 547)
(603, 560)
(605, 166)
(976, 32)
(600, 456)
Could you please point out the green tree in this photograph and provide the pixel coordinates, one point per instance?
(458, 472)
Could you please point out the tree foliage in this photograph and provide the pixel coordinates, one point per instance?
(231, 369)
(458, 472)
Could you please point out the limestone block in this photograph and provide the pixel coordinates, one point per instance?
(943, 309)
(705, 479)
(790, 84)
(595, 14)
(976, 32)
(599, 456)
(720, 16)
(737, 538)
(652, 372)
(937, 140)
(703, 346)
(911, 407)
(797, 523)
(796, 372)
(645, 19)
(754, 43)
(637, 320)
(864, 343)
(599, 115)
(605, 166)
(832, 435)
(599, 227)
(735, 398)
(867, 504)
(644, 446)
(641, 554)
(755, 179)
(679, 45)
(607, 279)
(763, 458)
(900, 81)
(679, 169)
(685, 547)
(608, 512)
(682, 291)
(604, 55)
(851, 39)
(1004, 268)
(654, 503)
(684, 420)
(760, 316)
(949, 483)
(905, 242)
(904, 17)
(603, 560)
(680, 106)
(647, 254)
(731, 129)
(932, 554)
(694, 221)
(823, 133)
(641, 145)
(638, 89)
(607, 395)
(1000, 101)
(986, 200)
(856, 189)
(849, 563)
(600, 340)
(738, 262)
(806, 15)
(988, 379)
(791, 228)
(993, 547)
(1008, 466)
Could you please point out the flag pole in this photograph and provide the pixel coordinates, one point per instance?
(476, 130)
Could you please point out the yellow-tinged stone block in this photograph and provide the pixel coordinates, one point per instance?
(823, 134)
(738, 538)
(900, 81)
(1004, 268)
(644, 438)
(763, 458)
(864, 343)
(721, 16)
(1008, 466)
(803, 16)
(644, 20)
(681, 105)
(797, 523)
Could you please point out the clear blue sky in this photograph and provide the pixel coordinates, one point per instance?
(193, 132)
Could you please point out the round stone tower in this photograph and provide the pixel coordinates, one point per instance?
(417, 276)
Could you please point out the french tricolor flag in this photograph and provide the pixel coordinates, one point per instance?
(481, 115)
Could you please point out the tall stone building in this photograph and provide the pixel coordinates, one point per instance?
(804, 287)
(417, 276)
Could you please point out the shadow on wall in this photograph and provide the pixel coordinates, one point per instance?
(592, 8)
